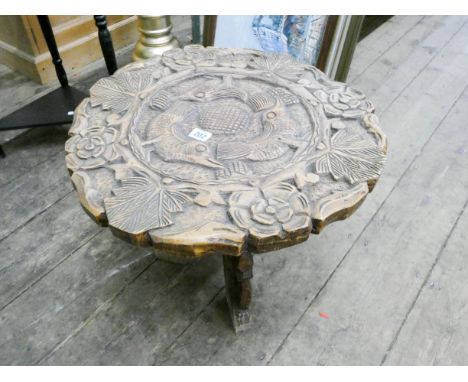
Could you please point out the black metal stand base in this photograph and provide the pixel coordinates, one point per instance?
(55, 108)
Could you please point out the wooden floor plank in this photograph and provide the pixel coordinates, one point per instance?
(436, 330)
(30, 150)
(369, 295)
(146, 317)
(43, 316)
(379, 41)
(305, 268)
(32, 193)
(405, 60)
(35, 249)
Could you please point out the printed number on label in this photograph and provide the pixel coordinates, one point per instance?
(200, 135)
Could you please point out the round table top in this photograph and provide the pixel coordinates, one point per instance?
(208, 150)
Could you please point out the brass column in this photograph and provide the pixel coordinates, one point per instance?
(155, 37)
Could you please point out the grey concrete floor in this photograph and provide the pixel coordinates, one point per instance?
(386, 286)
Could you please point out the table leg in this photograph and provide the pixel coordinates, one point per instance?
(237, 275)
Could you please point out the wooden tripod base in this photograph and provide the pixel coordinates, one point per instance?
(237, 275)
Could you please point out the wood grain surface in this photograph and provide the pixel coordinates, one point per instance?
(207, 150)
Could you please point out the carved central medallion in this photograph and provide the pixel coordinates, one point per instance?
(221, 126)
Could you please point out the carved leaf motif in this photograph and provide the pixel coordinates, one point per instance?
(140, 205)
(281, 64)
(351, 156)
(119, 92)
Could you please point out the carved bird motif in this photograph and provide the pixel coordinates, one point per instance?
(172, 145)
(267, 110)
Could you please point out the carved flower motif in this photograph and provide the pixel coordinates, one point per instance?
(270, 211)
(91, 148)
(344, 102)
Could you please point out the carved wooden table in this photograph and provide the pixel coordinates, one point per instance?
(218, 151)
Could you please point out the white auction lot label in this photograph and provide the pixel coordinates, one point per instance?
(200, 135)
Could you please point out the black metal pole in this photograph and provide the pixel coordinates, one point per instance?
(107, 47)
(52, 45)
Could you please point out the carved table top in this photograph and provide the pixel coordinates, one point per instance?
(209, 150)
